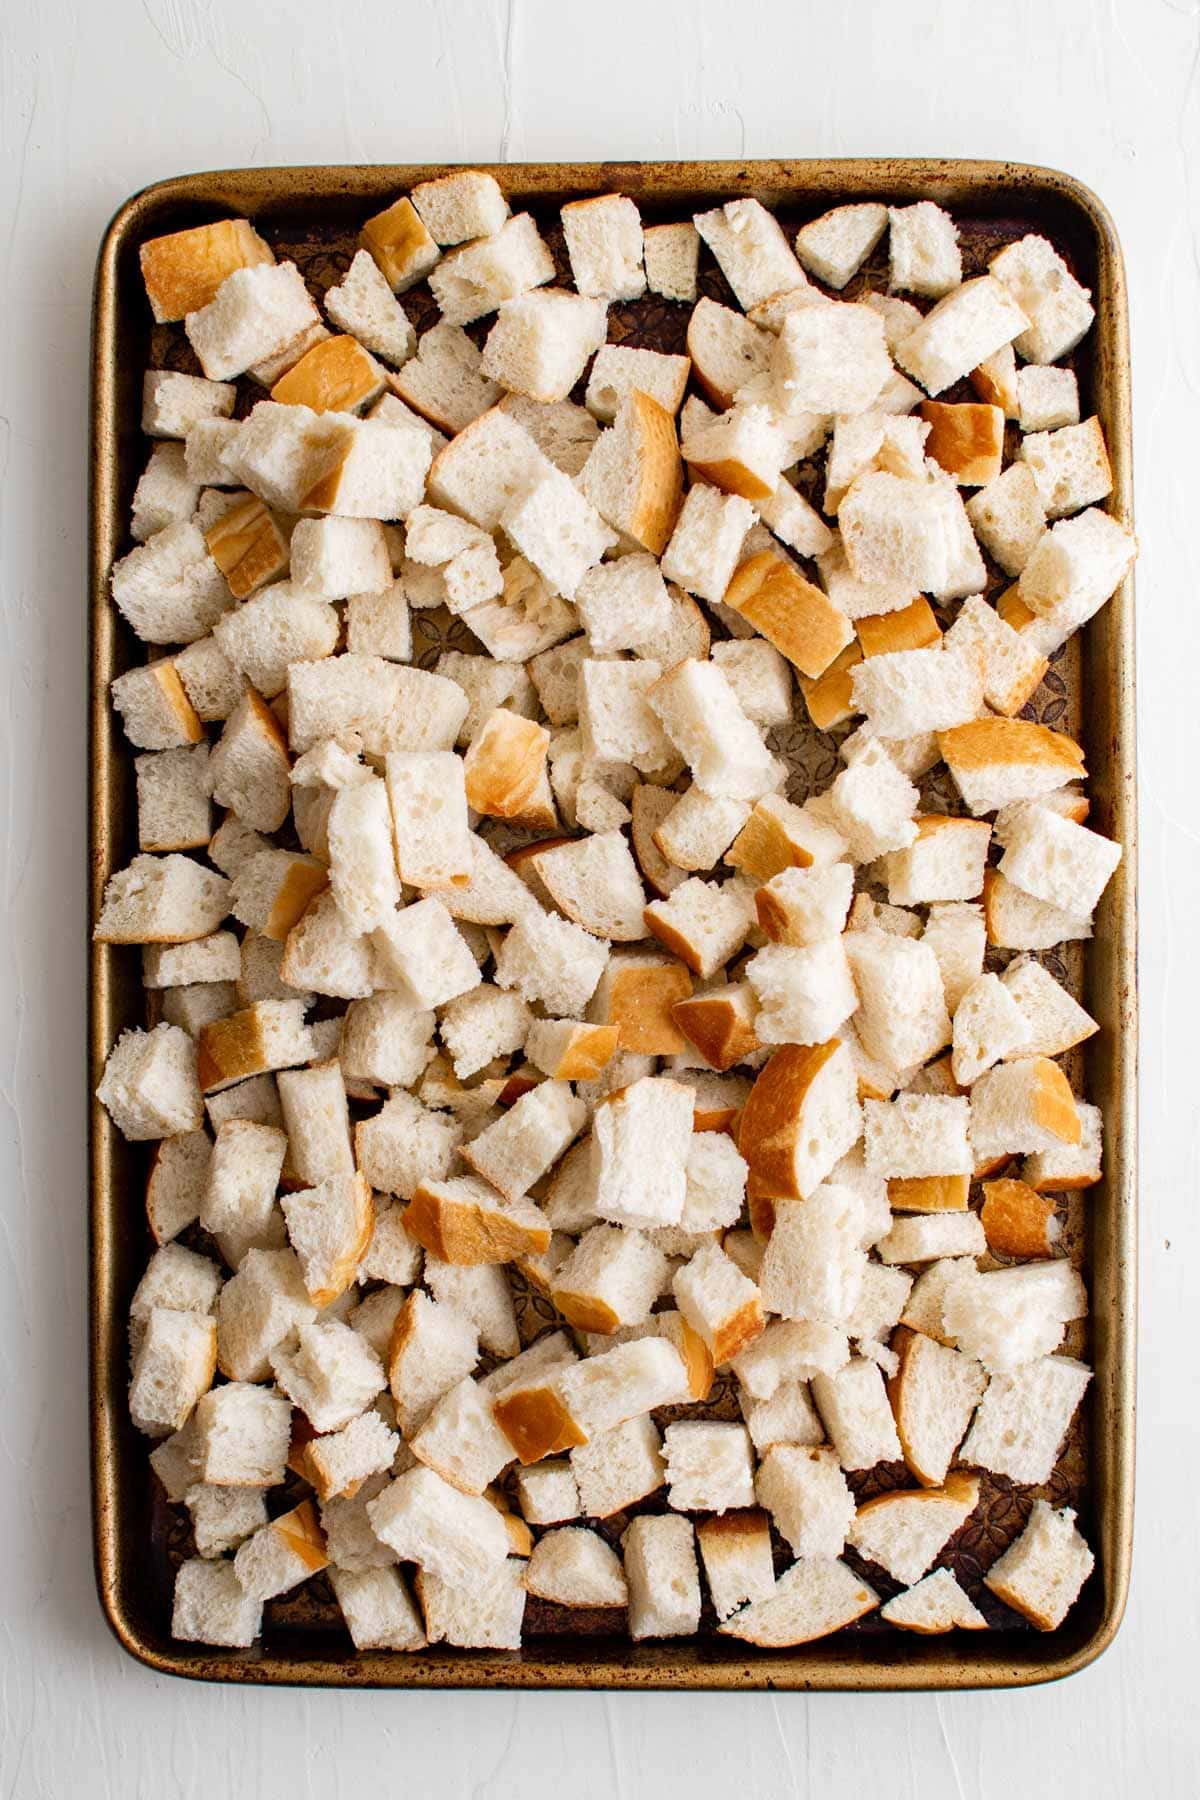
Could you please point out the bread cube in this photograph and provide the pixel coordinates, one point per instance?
(706, 541)
(363, 304)
(211, 1606)
(1041, 1573)
(835, 246)
(604, 243)
(1024, 1417)
(830, 359)
(1067, 1166)
(185, 269)
(664, 1581)
(902, 1018)
(1058, 308)
(255, 313)
(634, 1184)
(149, 1087)
(169, 588)
(995, 761)
(249, 766)
(332, 1375)
(547, 959)
(1058, 861)
(541, 342)
(966, 327)
(671, 257)
(242, 1433)
(1048, 398)
(854, 1406)
(477, 278)
(701, 715)
(945, 862)
(923, 247)
(709, 1466)
(1070, 466)
(988, 1026)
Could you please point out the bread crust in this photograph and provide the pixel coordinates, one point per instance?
(591, 1049)
(536, 1422)
(229, 1050)
(659, 490)
(713, 1025)
(302, 883)
(928, 1193)
(247, 546)
(1015, 1219)
(336, 375)
(773, 1116)
(737, 1330)
(464, 1233)
(303, 1536)
(763, 848)
(830, 698)
(183, 270)
(1053, 1102)
(986, 743)
(967, 439)
(799, 619)
(505, 765)
(400, 244)
(913, 627)
(642, 1002)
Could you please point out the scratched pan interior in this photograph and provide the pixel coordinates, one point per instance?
(313, 215)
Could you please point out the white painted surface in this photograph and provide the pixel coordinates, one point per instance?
(97, 100)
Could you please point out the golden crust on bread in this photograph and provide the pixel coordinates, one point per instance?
(659, 491)
(247, 546)
(773, 1117)
(913, 627)
(928, 1193)
(984, 743)
(1054, 1105)
(336, 375)
(183, 270)
(461, 1230)
(799, 619)
(1016, 1219)
(967, 440)
(536, 1422)
(715, 1026)
(400, 244)
(641, 1006)
(830, 698)
(505, 765)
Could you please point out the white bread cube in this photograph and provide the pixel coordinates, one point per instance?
(1066, 1166)
(802, 1116)
(1042, 1571)
(149, 1087)
(806, 1494)
(223, 1518)
(735, 1548)
(641, 1138)
(558, 530)
(169, 588)
(835, 246)
(481, 1292)
(429, 821)
(751, 250)
(276, 628)
(604, 244)
(1070, 466)
(547, 1491)
(362, 860)
(872, 804)
(619, 369)
(902, 1532)
(945, 862)
(663, 1578)
(480, 276)
(722, 1306)
(521, 1146)
(699, 828)
(633, 475)
(1007, 1317)
(574, 1567)
(563, 431)
(988, 1027)
(443, 388)
(1008, 517)
(927, 1237)
(330, 1228)
(155, 709)
(1047, 398)
(541, 342)
(709, 1466)
(433, 1348)
(759, 676)
(1058, 861)
(616, 719)
(484, 1614)
(622, 604)
(208, 681)
(480, 472)
(172, 404)
(872, 441)
(813, 1265)
(742, 451)
(243, 1176)
(175, 1184)
(671, 255)
(702, 717)
(461, 1441)
(1012, 667)
(421, 951)
(334, 557)
(489, 685)
(249, 767)
(173, 1368)
(549, 960)
(242, 1434)
(332, 1375)
(857, 599)
(970, 324)
(256, 313)
(902, 1016)
(804, 994)
(1058, 308)
(702, 923)
(400, 243)
(595, 882)
(618, 1467)
(854, 1406)
(789, 1350)
(779, 835)
(376, 1605)
(281, 453)
(830, 359)
(727, 350)
(465, 204)
(256, 1099)
(1074, 568)
(322, 955)
(917, 1134)
(996, 761)
(458, 1537)
(816, 1596)
(1055, 1021)
(210, 1606)
(898, 529)
(881, 1301)
(261, 1306)
(379, 624)
(463, 1220)
(707, 540)
(282, 1554)
(795, 522)
(716, 1182)
(365, 700)
(933, 1394)
(392, 1255)
(363, 304)
(1024, 1417)
(611, 1279)
(484, 1024)
(924, 257)
(788, 1417)
(165, 492)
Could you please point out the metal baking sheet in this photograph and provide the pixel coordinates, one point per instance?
(312, 215)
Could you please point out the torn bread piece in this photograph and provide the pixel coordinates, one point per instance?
(1042, 1571)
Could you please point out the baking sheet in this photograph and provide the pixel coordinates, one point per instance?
(312, 216)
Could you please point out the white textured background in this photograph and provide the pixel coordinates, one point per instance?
(96, 100)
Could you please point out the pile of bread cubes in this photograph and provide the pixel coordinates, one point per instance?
(521, 975)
